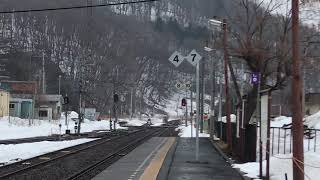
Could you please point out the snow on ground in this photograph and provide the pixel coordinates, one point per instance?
(313, 121)
(14, 128)
(281, 164)
(186, 131)
(280, 121)
(15, 152)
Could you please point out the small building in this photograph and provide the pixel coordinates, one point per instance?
(22, 94)
(48, 106)
(21, 105)
(4, 103)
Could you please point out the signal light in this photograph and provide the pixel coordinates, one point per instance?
(184, 102)
(115, 98)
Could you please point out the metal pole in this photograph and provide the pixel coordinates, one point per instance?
(201, 96)
(80, 114)
(226, 59)
(220, 106)
(213, 83)
(66, 114)
(259, 120)
(297, 126)
(303, 90)
(191, 110)
(131, 101)
(186, 123)
(198, 110)
(80, 99)
(43, 75)
(59, 83)
(268, 137)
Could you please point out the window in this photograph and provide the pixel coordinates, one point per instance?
(43, 113)
(11, 106)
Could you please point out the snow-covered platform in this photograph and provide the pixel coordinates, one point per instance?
(171, 158)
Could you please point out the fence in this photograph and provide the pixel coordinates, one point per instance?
(280, 138)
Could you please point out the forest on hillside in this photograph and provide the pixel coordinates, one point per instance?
(104, 50)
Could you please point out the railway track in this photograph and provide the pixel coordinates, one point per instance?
(79, 162)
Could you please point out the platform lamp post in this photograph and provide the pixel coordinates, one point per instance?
(222, 25)
(212, 79)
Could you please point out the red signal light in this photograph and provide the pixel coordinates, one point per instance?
(184, 102)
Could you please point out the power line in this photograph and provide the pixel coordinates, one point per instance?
(76, 7)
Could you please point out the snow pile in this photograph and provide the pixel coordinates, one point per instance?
(186, 131)
(14, 128)
(232, 117)
(280, 121)
(281, 164)
(15, 152)
(133, 122)
(313, 121)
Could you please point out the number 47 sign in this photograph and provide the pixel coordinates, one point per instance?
(193, 58)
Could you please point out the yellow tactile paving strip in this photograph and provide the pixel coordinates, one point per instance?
(152, 171)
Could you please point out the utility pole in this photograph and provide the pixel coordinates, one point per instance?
(227, 103)
(43, 76)
(297, 126)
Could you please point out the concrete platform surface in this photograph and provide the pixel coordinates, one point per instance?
(133, 165)
(182, 166)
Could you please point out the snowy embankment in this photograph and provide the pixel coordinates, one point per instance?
(15, 128)
(16, 152)
(280, 164)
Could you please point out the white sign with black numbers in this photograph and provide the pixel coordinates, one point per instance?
(176, 58)
(194, 58)
(188, 85)
(179, 85)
